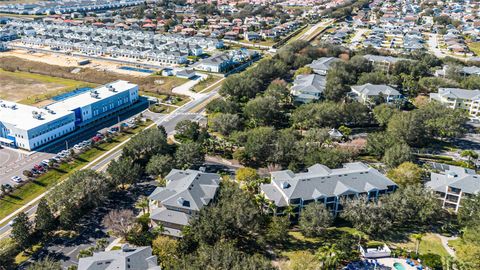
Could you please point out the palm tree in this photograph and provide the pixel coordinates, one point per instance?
(290, 211)
(418, 238)
(143, 203)
(328, 257)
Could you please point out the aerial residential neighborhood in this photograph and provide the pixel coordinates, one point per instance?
(240, 134)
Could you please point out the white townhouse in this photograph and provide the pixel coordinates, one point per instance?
(369, 93)
(468, 100)
(452, 184)
(324, 185)
(186, 193)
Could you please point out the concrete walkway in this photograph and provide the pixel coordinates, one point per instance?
(184, 89)
(445, 240)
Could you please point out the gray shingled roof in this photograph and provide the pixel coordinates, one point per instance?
(457, 177)
(189, 190)
(321, 181)
(323, 63)
(459, 93)
(311, 83)
(375, 90)
(123, 259)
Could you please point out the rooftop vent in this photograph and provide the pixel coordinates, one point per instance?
(285, 185)
(37, 115)
(111, 88)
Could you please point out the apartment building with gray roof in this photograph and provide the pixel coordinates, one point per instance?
(453, 183)
(322, 184)
(186, 192)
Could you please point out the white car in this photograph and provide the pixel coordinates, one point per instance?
(77, 147)
(45, 162)
(17, 179)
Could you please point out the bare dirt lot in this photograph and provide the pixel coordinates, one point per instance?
(34, 89)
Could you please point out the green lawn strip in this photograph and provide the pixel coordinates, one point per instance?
(206, 83)
(162, 108)
(430, 244)
(68, 84)
(26, 193)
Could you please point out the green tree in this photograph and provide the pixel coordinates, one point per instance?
(224, 123)
(187, 130)
(367, 216)
(46, 263)
(22, 230)
(223, 255)
(44, 220)
(383, 113)
(233, 217)
(406, 174)
(262, 111)
(148, 143)
(397, 154)
(9, 248)
(159, 165)
(189, 154)
(408, 127)
(166, 250)
(124, 171)
(279, 90)
(277, 230)
(303, 71)
(418, 238)
(470, 154)
(143, 203)
(259, 144)
(314, 219)
(469, 213)
(246, 175)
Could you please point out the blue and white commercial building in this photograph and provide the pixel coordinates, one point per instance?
(29, 127)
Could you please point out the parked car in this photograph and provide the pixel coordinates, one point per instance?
(45, 162)
(77, 147)
(17, 179)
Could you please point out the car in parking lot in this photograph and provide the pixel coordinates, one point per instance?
(77, 147)
(7, 186)
(17, 179)
(45, 162)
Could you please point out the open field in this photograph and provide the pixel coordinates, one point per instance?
(152, 83)
(26, 193)
(29, 88)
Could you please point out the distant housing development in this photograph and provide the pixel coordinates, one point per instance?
(62, 7)
(30, 127)
(453, 184)
(185, 194)
(115, 43)
(325, 185)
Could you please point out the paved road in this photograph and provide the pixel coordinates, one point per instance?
(188, 111)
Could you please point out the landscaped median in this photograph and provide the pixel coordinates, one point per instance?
(31, 190)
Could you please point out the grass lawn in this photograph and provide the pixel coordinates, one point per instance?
(161, 108)
(474, 47)
(25, 255)
(30, 88)
(23, 195)
(206, 83)
(430, 244)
